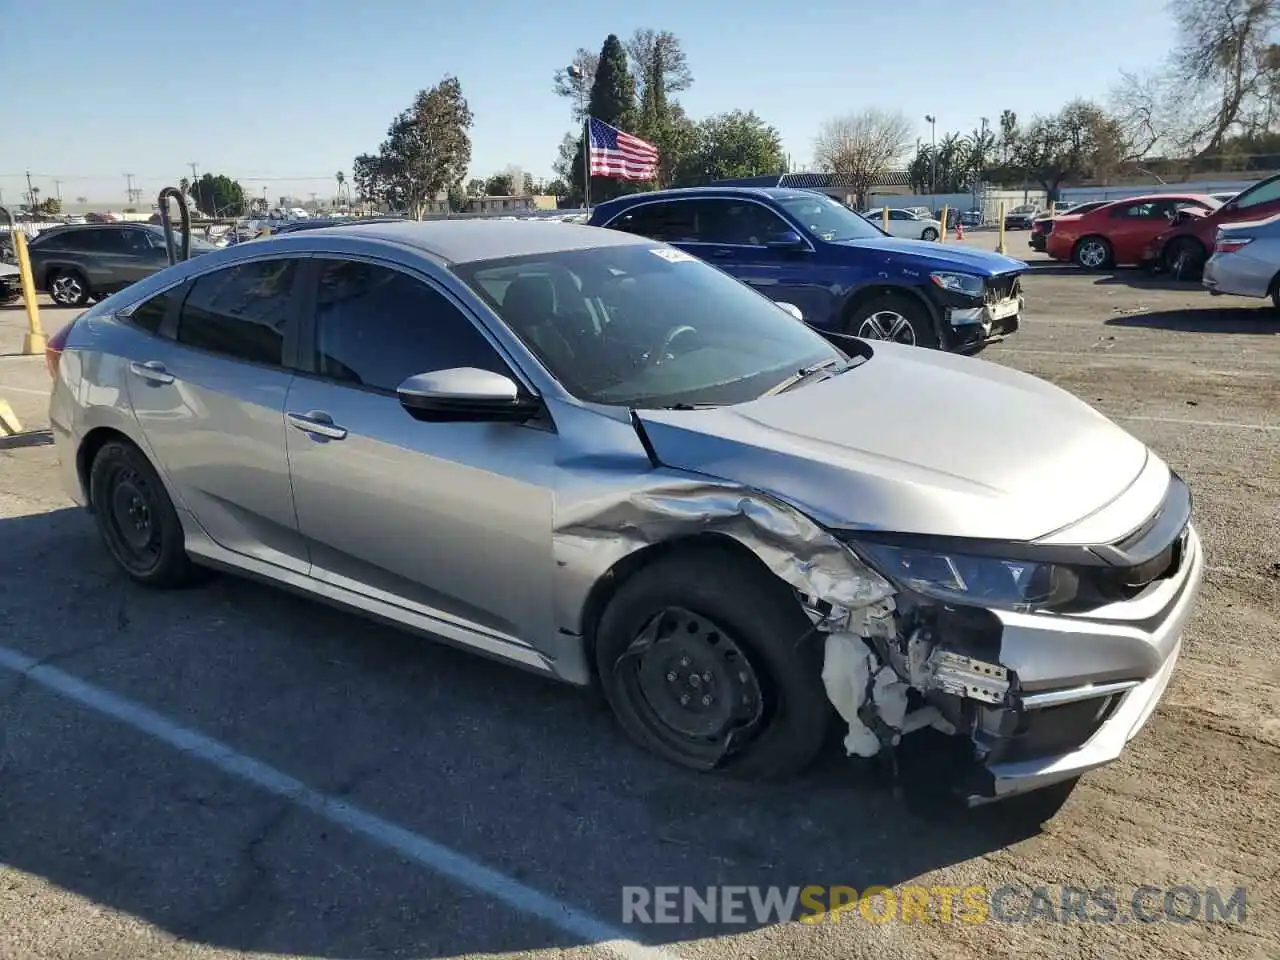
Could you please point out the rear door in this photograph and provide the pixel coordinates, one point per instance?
(209, 396)
(1131, 227)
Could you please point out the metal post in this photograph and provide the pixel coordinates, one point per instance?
(884, 218)
(942, 237)
(34, 342)
(1000, 246)
(586, 163)
(162, 202)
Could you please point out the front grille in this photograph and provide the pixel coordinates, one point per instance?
(1002, 287)
(1051, 731)
(1113, 584)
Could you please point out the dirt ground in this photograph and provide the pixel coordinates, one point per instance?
(113, 845)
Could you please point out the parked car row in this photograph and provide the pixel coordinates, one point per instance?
(1177, 233)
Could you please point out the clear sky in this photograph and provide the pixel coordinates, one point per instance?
(283, 93)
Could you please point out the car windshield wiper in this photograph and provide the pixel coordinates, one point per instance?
(804, 373)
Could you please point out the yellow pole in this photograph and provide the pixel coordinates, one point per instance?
(1000, 246)
(35, 340)
(884, 218)
(945, 210)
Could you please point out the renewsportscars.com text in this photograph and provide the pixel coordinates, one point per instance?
(933, 904)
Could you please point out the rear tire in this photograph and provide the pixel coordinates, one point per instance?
(1093, 253)
(705, 641)
(68, 288)
(895, 317)
(137, 520)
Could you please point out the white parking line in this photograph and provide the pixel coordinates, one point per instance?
(1094, 354)
(1226, 424)
(428, 853)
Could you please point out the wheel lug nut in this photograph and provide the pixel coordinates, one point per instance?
(671, 677)
(706, 678)
(706, 701)
(684, 661)
(684, 699)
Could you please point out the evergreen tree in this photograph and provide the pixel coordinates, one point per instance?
(613, 100)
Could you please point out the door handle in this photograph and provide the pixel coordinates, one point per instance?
(317, 423)
(152, 371)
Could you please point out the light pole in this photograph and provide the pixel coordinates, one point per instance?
(933, 151)
(579, 79)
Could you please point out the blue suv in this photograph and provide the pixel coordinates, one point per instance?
(841, 271)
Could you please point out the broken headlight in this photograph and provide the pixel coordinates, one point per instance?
(1020, 585)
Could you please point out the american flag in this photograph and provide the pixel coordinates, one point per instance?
(619, 155)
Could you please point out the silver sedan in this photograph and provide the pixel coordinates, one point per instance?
(1246, 260)
(599, 458)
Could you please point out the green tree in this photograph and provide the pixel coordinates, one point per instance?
(613, 101)
(499, 185)
(219, 196)
(733, 144)
(50, 205)
(457, 198)
(427, 148)
(529, 187)
(556, 188)
(371, 187)
(576, 86)
(475, 187)
(1079, 141)
(661, 69)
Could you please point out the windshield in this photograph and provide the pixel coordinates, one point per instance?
(646, 326)
(1025, 208)
(197, 242)
(827, 219)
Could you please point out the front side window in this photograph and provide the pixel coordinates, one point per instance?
(738, 222)
(646, 326)
(825, 218)
(376, 327)
(241, 311)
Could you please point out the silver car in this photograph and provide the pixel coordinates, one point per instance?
(1246, 260)
(601, 459)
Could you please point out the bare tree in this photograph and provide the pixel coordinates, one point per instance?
(861, 147)
(1220, 81)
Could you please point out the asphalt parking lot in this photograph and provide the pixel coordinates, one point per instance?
(232, 771)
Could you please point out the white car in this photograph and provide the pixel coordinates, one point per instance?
(906, 224)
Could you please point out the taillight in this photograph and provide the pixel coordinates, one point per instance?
(54, 346)
(1231, 244)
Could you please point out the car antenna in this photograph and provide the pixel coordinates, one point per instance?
(163, 203)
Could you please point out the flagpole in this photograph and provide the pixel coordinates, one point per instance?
(586, 163)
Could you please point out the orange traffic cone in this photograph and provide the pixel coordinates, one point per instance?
(959, 230)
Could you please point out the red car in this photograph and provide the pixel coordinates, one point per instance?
(1184, 248)
(1120, 232)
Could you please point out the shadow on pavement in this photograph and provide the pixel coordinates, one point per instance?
(527, 776)
(1263, 321)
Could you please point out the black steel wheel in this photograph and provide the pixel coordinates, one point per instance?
(136, 518)
(710, 662)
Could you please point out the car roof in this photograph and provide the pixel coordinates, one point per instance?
(466, 241)
(687, 193)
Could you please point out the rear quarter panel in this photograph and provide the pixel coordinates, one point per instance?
(91, 391)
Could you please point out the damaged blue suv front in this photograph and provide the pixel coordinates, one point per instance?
(840, 270)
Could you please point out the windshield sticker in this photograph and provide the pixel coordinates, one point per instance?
(672, 255)
(829, 235)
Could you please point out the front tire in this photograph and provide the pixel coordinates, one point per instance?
(709, 662)
(929, 234)
(69, 288)
(1184, 258)
(136, 518)
(894, 317)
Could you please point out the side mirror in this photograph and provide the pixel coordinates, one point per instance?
(791, 308)
(786, 240)
(465, 395)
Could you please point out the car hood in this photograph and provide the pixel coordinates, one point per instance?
(914, 441)
(941, 256)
